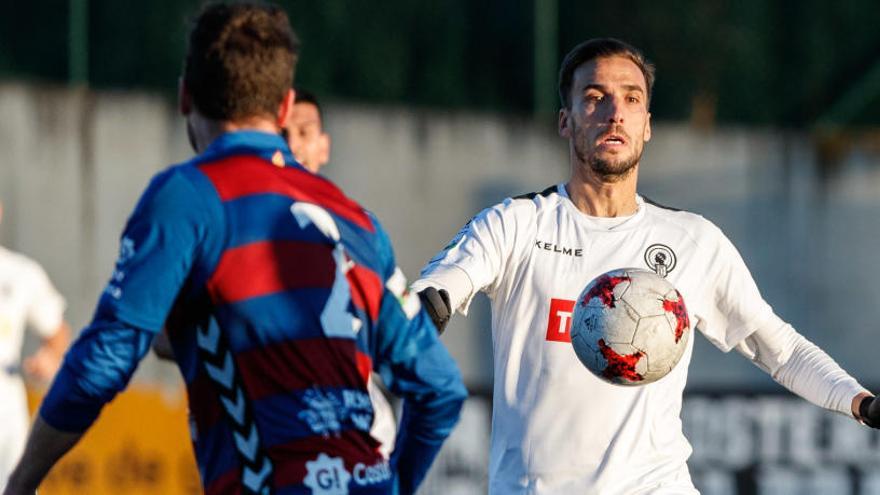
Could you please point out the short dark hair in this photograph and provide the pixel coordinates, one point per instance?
(240, 60)
(600, 48)
(305, 96)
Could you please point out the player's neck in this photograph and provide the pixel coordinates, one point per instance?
(595, 197)
(204, 130)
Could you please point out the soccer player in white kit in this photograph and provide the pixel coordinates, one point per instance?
(27, 299)
(556, 428)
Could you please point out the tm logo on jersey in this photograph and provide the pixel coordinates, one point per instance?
(559, 322)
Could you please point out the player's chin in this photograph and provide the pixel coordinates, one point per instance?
(612, 170)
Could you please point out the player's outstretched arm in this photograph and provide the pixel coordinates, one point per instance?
(45, 446)
(802, 367)
(99, 364)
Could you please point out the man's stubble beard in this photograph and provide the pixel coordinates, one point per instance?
(608, 170)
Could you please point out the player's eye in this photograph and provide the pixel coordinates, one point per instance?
(594, 97)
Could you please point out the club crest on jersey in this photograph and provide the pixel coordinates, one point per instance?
(660, 258)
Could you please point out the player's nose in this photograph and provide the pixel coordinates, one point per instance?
(615, 110)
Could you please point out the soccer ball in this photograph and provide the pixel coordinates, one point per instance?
(630, 326)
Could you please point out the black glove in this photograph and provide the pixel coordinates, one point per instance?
(869, 410)
(436, 303)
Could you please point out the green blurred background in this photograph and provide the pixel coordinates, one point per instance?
(784, 62)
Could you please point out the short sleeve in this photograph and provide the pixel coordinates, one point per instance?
(734, 308)
(45, 309)
(158, 248)
(481, 249)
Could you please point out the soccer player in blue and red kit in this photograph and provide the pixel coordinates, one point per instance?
(280, 295)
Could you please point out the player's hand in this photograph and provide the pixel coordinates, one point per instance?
(869, 411)
(42, 365)
(436, 303)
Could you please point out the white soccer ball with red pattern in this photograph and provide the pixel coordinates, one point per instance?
(630, 326)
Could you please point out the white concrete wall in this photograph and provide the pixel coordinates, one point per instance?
(72, 165)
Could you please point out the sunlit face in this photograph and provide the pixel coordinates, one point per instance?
(306, 137)
(608, 121)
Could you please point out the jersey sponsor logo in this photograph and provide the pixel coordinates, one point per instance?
(371, 475)
(559, 321)
(126, 250)
(556, 248)
(126, 253)
(327, 476)
(660, 258)
(327, 411)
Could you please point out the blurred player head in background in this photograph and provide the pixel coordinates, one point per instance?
(304, 131)
(238, 71)
(605, 90)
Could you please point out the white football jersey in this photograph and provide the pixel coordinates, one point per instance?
(558, 429)
(27, 297)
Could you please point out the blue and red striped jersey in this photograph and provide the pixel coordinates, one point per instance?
(280, 296)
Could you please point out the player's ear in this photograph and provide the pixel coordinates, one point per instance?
(284, 108)
(648, 128)
(564, 128)
(184, 99)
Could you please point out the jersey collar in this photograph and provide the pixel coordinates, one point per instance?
(605, 224)
(266, 145)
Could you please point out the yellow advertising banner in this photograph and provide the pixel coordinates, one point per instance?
(139, 445)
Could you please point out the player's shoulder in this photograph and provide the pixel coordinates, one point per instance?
(19, 265)
(691, 223)
(178, 176)
(527, 205)
(536, 197)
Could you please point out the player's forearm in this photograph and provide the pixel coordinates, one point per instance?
(426, 376)
(813, 375)
(45, 446)
(414, 453)
(99, 365)
(454, 281)
(800, 366)
(420, 438)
